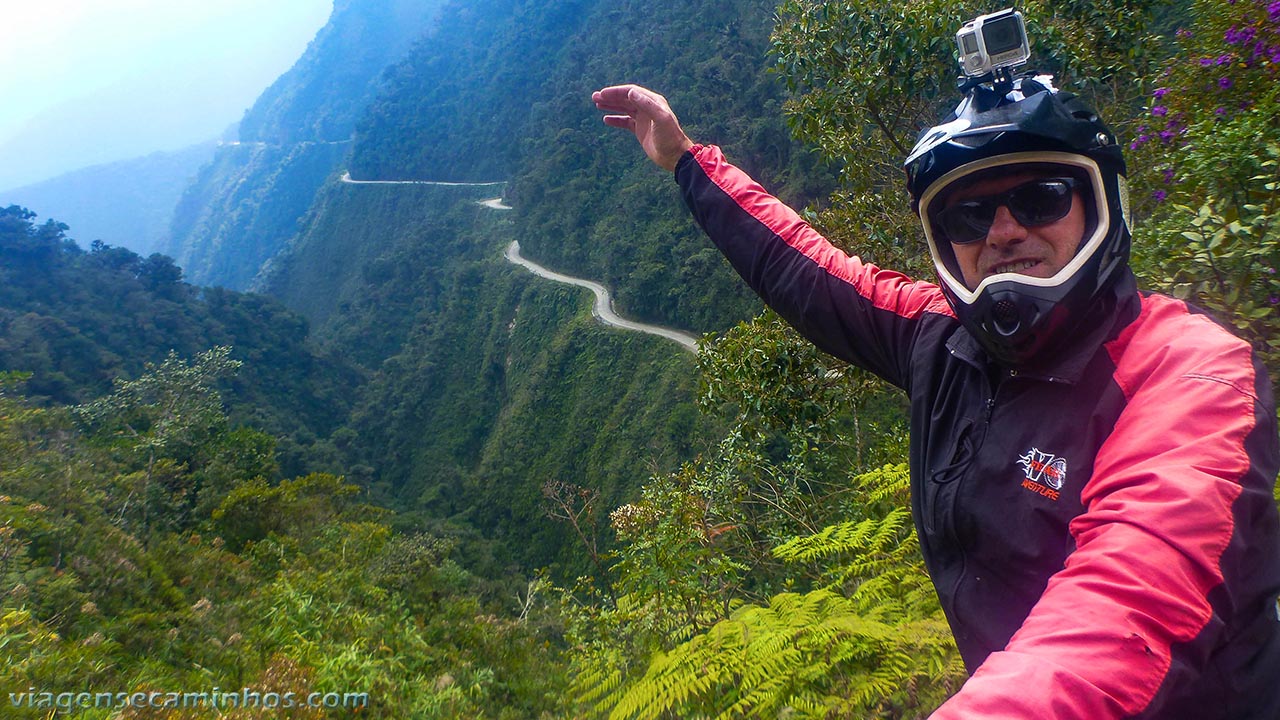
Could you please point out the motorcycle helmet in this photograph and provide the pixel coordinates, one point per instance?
(1025, 128)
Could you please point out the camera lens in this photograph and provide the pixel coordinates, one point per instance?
(1001, 35)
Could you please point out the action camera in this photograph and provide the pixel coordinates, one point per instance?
(993, 42)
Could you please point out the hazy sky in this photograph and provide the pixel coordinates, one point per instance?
(89, 81)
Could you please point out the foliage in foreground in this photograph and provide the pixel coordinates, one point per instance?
(143, 549)
(761, 581)
(1208, 153)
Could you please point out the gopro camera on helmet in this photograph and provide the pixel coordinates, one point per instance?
(993, 42)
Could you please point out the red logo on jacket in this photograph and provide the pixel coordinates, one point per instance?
(1044, 472)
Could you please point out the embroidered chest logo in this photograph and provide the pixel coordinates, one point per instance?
(1044, 472)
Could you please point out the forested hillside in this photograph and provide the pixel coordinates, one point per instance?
(519, 109)
(414, 470)
(77, 319)
(408, 280)
(486, 383)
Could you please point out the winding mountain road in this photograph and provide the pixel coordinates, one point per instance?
(346, 178)
(602, 310)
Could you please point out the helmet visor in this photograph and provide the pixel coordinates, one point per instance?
(1048, 185)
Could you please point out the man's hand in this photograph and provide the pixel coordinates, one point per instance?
(646, 114)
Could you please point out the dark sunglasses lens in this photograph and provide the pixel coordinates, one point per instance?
(966, 221)
(1039, 202)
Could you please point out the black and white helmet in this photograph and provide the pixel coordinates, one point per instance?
(1035, 128)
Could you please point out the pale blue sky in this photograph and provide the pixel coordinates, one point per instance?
(89, 81)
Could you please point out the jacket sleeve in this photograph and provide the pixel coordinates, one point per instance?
(848, 308)
(1173, 581)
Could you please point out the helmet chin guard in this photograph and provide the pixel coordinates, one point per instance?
(1037, 130)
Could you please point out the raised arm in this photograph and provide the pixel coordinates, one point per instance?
(646, 114)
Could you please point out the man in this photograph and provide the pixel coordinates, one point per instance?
(1092, 467)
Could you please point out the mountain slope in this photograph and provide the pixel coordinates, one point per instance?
(78, 320)
(485, 382)
(245, 205)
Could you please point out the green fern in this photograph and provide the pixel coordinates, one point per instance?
(805, 655)
(871, 642)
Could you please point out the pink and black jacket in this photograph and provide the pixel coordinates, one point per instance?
(1100, 528)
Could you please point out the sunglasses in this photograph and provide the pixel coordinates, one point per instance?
(1034, 203)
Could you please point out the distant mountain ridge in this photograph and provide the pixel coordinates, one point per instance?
(129, 203)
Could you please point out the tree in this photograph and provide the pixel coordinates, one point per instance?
(164, 419)
(1207, 160)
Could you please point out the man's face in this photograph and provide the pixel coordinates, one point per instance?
(1010, 246)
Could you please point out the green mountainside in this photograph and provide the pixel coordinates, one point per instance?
(465, 418)
(76, 320)
(243, 205)
(519, 108)
(467, 386)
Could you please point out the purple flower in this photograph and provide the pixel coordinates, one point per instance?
(1220, 111)
(1167, 135)
(1206, 62)
(1159, 111)
(1224, 60)
(1273, 11)
(1239, 37)
(1185, 33)
(1225, 82)
(1159, 195)
(1168, 175)
(1160, 92)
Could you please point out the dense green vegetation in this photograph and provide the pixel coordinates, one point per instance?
(526, 514)
(76, 320)
(456, 107)
(142, 549)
